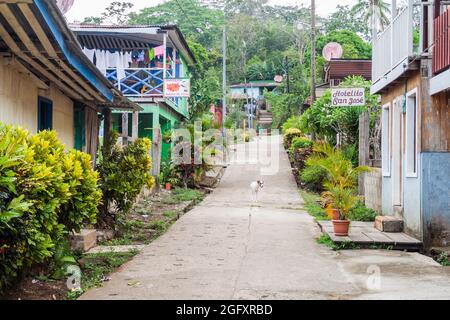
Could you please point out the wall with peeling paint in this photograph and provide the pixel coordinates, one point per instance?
(436, 198)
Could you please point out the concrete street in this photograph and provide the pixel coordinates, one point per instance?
(230, 248)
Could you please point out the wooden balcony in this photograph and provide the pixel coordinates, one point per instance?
(138, 82)
(441, 52)
(141, 84)
(393, 49)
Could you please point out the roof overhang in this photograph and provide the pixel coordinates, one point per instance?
(35, 35)
(396, 75)
(132, 37)
(440, 83)
(35, 32)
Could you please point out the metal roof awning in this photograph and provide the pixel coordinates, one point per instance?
(34, 34)
(129, 37)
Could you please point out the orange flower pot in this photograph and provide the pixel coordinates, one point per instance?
(341, 227)
(332, 213)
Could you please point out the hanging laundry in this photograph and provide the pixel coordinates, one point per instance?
(111, 60)
(159, 51)
(151, 54)
(119, 65)
(146, 57)
(101, 60)
(141, 57)
(90, 53)
(127, 60)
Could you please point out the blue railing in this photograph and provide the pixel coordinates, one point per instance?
(142, 83)
(138, 82)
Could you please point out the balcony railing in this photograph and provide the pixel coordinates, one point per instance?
(137, 82)
(394, 45)
(142, 83)
(441, 52)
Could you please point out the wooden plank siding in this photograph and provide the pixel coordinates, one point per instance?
(436, 124)
(441, 52)
(434, 111)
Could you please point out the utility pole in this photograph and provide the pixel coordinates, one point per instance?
(224, 75)
(287, 75)
(313, 51)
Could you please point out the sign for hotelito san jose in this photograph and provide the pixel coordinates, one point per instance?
(348, 97)
(177, 88)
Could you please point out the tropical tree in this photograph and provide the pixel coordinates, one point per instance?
(374, 13)
(344, 19)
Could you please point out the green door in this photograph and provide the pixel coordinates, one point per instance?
(166, 147)
(146, 125)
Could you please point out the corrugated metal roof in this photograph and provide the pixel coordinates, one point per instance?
(342, 68)
(130, 37)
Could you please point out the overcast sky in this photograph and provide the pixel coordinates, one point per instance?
(85, 8)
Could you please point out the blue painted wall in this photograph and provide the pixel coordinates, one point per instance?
(436, 198)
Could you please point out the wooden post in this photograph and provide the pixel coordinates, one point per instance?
(125, 128)
(156, 156)
(364, 147)
(107, 132)
(135, 133)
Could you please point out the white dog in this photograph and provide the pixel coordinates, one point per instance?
(256, 187)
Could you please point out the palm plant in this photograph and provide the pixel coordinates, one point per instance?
(374, 12)
(341, 181)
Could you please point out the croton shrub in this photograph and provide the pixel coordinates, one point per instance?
(45, 193)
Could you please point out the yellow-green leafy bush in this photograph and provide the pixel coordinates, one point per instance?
(124, 171)
(41, 197)
(290, 135)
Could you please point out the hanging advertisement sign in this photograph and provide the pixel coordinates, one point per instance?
(177, 88)
(348, 97)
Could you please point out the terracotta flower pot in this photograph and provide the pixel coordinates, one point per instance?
(341, 227)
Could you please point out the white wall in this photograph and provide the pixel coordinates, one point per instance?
(19, 104)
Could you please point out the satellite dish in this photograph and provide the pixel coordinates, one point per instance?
(332, 50)
(64, 5)
(278, 79)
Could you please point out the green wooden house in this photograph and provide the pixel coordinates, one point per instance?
(150, 66)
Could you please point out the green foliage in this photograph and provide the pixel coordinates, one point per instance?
(345, 245)
(354, 47)
(313, 176)
(374, 13)
(62, 258)
(206, 84)
(182, 195)
(83, 186)
(291, 123)
(313, 207)
(191, 172)
(124, 171)
(169, 174)
(198, 22)
(42, 197)
(344, 19)
(290, 135)
(361, 213)
(443, 259)
(326, 121)
(97, 266)
(341, 177)
(301, 143)
(283, 106)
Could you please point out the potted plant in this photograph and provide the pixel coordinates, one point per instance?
(344, 199)
(167, 137)
(332, 212)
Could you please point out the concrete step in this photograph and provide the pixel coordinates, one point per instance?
(389, 224)
(84, 241)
